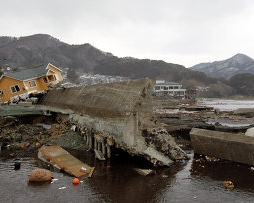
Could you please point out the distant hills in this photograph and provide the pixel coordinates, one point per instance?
(214, 78)
(40, 48)
(237, 64)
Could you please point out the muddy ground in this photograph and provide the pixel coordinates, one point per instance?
(24, 135)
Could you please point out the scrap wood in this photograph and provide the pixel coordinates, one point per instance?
(91, 172)
(61, 159)
(229, 184)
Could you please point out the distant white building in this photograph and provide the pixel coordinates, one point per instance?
(174, 89)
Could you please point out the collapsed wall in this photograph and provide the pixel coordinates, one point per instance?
(121, 112)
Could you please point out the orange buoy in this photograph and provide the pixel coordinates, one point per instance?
(75, 181)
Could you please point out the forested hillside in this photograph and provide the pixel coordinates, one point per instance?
(26, 52)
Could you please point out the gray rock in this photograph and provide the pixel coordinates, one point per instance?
(250, 132)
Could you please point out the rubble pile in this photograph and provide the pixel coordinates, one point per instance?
(179, 122)
(120, 111)
(68, 140)
(29, 134)
(165, 143)
(24, 136)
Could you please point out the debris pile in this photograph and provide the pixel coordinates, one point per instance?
(165, 143)
(24, 136)
(121, 111)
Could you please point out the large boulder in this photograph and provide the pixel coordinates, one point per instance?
(40, 175)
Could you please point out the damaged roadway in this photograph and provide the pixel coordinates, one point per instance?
(117, 115)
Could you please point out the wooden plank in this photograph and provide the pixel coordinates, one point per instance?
(91, 172)
(58, 157)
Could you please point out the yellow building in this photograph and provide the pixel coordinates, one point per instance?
(19, 84)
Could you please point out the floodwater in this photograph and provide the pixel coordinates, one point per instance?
(116, 181)
(226, 104)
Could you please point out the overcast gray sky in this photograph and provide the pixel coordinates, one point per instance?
(185, 32)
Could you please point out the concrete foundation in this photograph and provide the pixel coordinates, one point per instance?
(118, 111)
(229, 146)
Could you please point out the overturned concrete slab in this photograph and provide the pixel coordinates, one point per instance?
(19, 110)
(62, 160)
(30, 110)
(229, 146)
(122, 112)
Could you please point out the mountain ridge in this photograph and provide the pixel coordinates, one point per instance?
(227, 68)
(42, 48)
(29, 51)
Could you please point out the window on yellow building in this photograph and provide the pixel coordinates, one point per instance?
(52, 77)
(45, 79)
(32, 83)
(15, 88)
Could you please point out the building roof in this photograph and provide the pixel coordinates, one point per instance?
(29, 73)
(168, 83)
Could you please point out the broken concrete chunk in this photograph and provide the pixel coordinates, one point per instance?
(144, 172)
(99, 155)
(229, 146)
(250, 132)
(157, 156)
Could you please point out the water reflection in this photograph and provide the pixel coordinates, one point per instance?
(116, 181)
(241, 175)
(119, 182)
(203, 182)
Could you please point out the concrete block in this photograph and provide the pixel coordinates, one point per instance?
(229, 146)
(250, 132)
